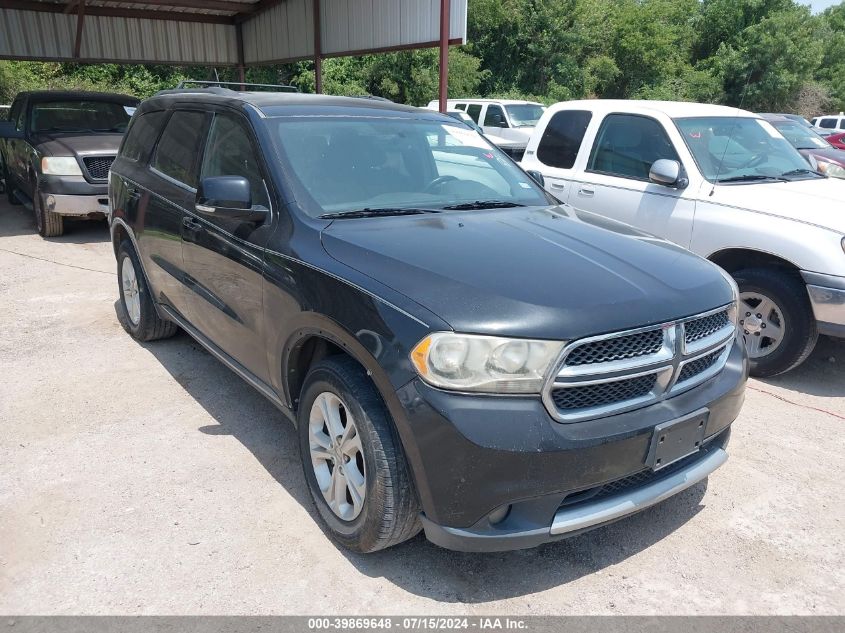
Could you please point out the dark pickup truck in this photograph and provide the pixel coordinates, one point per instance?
(56, 149)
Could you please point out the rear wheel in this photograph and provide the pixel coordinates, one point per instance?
(49, 224)
(776, 319)
(353, 460)
(139, 316)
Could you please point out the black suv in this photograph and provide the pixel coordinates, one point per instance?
(56, 150)
(459, 352)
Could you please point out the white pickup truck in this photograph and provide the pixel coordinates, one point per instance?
(723, 183)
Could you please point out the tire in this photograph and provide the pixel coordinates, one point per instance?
(389, 512)
(49, 224)
(788, 295)
(142, 323)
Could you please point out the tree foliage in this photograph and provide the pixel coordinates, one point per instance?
(763, 54)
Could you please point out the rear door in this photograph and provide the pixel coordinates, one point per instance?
(557, 150)
(224, 258)
(615, 183)
(166, 193)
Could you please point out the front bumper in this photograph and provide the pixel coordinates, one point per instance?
(473, 456)
(75, 205)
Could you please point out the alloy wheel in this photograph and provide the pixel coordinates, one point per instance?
(337, 456)
(131, 293)
(762, 322)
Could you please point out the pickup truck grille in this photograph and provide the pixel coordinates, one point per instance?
(98, 166)
(616, 372)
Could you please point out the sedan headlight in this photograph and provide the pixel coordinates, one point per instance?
(831, 169)
(489, 364)
(60, 166)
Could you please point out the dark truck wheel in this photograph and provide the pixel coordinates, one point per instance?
(353, 460)
(140, 318)
(49, 224)
(777, 320)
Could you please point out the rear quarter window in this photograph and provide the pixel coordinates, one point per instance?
(828, 124)
(142, 135)
(180, 145)
(562, 138)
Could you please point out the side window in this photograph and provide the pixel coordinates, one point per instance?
(842, 124)
(474, 110)
(628, 144)
(142, 136)
(562, 138)
(16, 114)
(229, 152)
(828, 124)
(179, 147)
(460, 106)
(495, 116)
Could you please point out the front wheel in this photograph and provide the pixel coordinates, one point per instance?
(776, 319)
(353, 460)
(139, 316)
(49, 224)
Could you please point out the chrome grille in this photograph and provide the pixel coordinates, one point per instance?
(698, 329)
(603, 394)
(616, 372)
(98, 166)
(619, 348)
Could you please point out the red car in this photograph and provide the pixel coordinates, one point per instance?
(837, 140)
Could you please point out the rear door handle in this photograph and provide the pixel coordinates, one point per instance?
(587, 193)
(556, 185)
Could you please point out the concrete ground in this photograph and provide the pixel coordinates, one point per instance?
(149, 479)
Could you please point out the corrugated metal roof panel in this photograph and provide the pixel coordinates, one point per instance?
(284, 32)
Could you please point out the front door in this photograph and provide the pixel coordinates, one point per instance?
(224, 258)
(615, 182)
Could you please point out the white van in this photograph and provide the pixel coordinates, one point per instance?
(830, 122)
(500, 118)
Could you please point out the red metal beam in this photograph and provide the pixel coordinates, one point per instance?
(215, 5)
(445, 13)
(239, 39)
(318, 48)
(118, 12)
(80, 20)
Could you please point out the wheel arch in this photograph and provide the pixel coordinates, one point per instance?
(737, 258)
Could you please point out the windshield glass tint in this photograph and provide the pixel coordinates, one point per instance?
(351, 163)
(524, 115)
(801, 136)
(731, 147)
(76, 116)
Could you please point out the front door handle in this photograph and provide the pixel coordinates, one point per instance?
(557, 185)
(587, 193)
(190, 229)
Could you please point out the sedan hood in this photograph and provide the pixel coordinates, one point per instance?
(535, 273)
(818, 201)
(78, 143)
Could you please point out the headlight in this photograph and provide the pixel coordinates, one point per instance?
(733, 310)
(60, 166)
(467, 362)
(843, 243)
(834, 171)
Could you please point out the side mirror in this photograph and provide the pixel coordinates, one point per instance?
(7, 130)
(537, 177)
(668, 173)
(228, 197)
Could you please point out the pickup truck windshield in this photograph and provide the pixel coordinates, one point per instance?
(741, 149)
(342, 164)
(79, 116)
(524, 115)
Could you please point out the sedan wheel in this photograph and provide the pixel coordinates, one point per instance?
(762, 322)
(337, 456)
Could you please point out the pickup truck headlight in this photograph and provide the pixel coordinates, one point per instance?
(832, 170)
(60, 166)
(488, 364)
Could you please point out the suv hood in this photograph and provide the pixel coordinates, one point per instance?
(78, 143)
(535, 273)
(817, 201)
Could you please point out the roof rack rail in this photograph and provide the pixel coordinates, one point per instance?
(187, 83)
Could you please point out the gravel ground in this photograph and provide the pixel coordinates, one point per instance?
(149, 479)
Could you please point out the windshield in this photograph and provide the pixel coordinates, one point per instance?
(343, 164)
(799, 136)
(740, 148)
(80, 116)
(525, 115)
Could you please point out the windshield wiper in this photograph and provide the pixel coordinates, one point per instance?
(370, 213)
(483, 204)
(800, 172)
(751, 178)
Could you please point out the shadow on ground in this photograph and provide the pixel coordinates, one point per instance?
(243, 413)
(822, 374)
(77, 231)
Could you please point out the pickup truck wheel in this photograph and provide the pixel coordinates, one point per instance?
(776, 319)
(353, 460)
(49, 224)
(139, 317)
